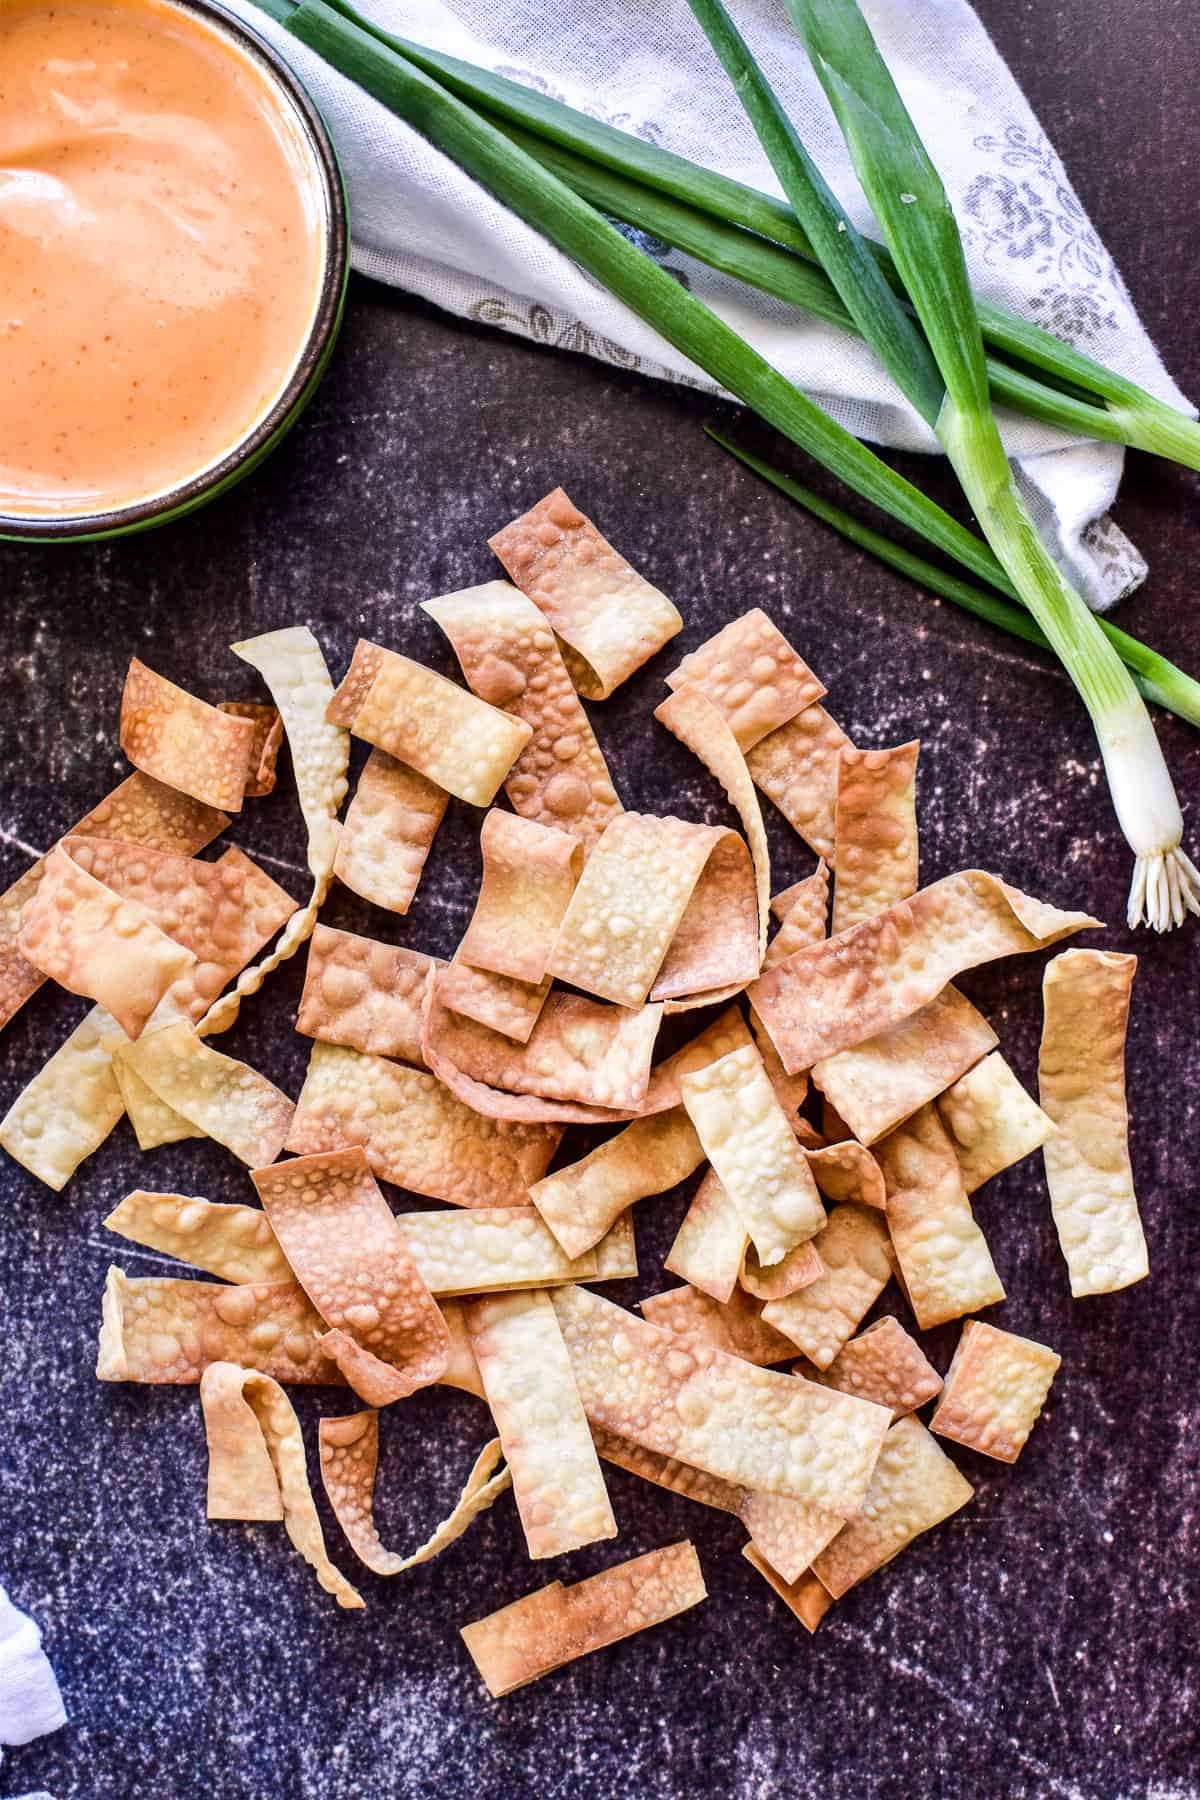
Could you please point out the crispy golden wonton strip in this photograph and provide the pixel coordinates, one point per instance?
(529, 875)
(350, 1257)
(389, 829)
(667, 1472)
(797, 768)
(227, 1099)
(875, 836)
(349, 1458)
(490, 1249)
(748, 1425)
(235, 1243)
(804, 917)
(615, 1254)
(996, 1387)
(581, 1202)
(363, 994)
(265, 745)
(509, 657)
(414, 1132)
(527, 1379)
(556, 1624)
(608, 616)
(245, 1412)
(746, 1136)
(711, 1241)
(884, 1080)
(727, 1032)
(822, 1317)
(799, 1269)
(848, 988)
(915, 1486)
(175, 737)
(992, 1121)
(847, 1171)
(157, 1329)
(942, 1254)
(510, 1007)
(806, 1597)
(461, 1371)
(737, 1326)
(884, 1364)
(787, 1533)
(1081, 1077)
(69, 1107)
(752, 676)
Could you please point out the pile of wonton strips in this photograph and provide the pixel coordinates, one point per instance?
(455, 1080)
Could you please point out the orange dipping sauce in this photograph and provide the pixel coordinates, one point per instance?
(161, 250)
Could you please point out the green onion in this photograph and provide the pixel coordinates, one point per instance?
(907, 197)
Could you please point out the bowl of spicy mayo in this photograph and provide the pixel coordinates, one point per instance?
(172, 260)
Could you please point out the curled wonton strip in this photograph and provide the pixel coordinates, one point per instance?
(160, 1330)
(837, 993)
(823, 1316)
(227, 1099)
(806, 1597)
(737, 1326)
(529, 875)
(609, 617)
(797, 768)
(364, 995)
(581, 1202)
(243, 1407)
(875, 838)
(349, 1459)
(915, 1487)
(265, 746)
(847, 1171)
(235, 1243)
(751, 675)
(799, 1269)
(884, 1364)
(509, 1007)
(803, 914)
(388, 832)
(992, 1120)
(996, 1387)
(509, 657)
(942, 1254)
(181, 740)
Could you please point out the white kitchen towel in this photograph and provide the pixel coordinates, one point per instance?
(30, 1703)
(420, 223)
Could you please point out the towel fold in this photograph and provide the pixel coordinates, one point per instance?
(30, 1703)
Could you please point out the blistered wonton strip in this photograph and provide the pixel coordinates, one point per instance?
(349, 1255)
(803, 916)
(529, 875)
(799, 1269)
(158, 1329)
(884, 1364)
(265, 746)
(530, 1387)
(996, 1387)
(509, 657)
(616, 1253)
(1081, 1078)
(787, 1533)
(349, 1459)
(883, 1080)
(848, 1171)
(823, 1316)
(69, 1107)
(711, 1241)
(388, 832)
(875, 835)
(235, 1243)
(915, 1487)
(363, 994)
(181, 740)
(806, 1596)
(509, 1007)
(245, 1409)
(727, 1032)
(797, 768)
(746, 1136)
(609, 617)
(992, 1121)
(414, 1132)
(227, 1099)
(943, 1256)
(850, 987)
(490, 1249)
(737, 1326)
(745, 1424)
(751, 675)
(581, 1202)
(667, 1472)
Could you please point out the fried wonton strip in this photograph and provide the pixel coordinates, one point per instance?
(884, 1364)
(557, 1624)
(140, 811)
(265, 746)
(996, 1387)
(711, 1241)
(799, 1269)
(791, 1091)
(1081, 1078)
(822, 1317)
(992, 1121)
(509, 657)
(227, 1099)
(616, 1253)
(509, 1007)
(349, 1255)
(745, 1135)
(787, 1533)
(364, 995)
(806, 1597)
(291, 664)
(242, 1483)
(804, 918)
(154, 1122)
(461, 1371)
(414, 1132)
(875, 836)
(388, 832)
(847, 1171)
(737, 1326)
(607, 615)
(748, 1425)
(235, 1243)
(93, 942)
(158, 1329)
(850, 987)
(884, 1080)
(581, 1202)
(529, 875)
(943, 1257)
(69, 1107)
(797, 768)
(527, 1380)
(915, 1487)
(489, 1250)
(727, 1032)
(241, 1405)
(349, 1458)
(751, 675)
(666, 1472)
(175, 737)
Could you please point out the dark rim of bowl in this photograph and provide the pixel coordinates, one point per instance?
(185, 494)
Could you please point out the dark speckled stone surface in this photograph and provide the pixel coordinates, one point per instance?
(1043, 1643)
